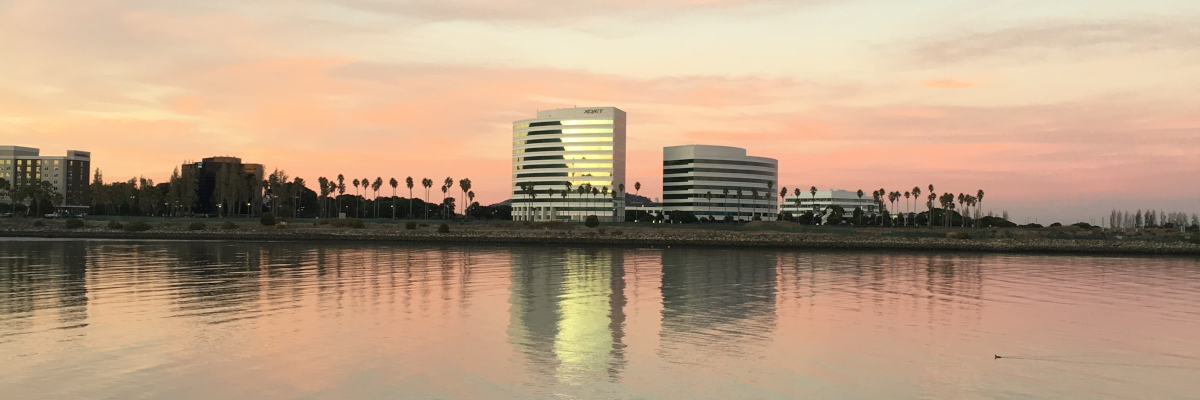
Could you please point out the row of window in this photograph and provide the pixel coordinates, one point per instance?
(745, 196)
(571, 131)
(715, 189)
(568, 165)
(573, 198)
(563, 174)
(589, 139)
(565, 157)
(669, 163)
(717, 171)
(714, 179)
(564, 122)
(558, 185)
(563, 148)
(715, 205)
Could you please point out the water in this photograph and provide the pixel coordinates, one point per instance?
(203, 320)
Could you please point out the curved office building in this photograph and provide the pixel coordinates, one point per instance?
(566, 149)
(696, 178)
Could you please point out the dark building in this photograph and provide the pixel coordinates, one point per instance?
(209, 173)
(68, 175)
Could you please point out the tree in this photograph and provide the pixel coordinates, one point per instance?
(929, 203)
(637, 187)
(768, 197)
(5, 189)
(782, 197)
(357, 209)
(409, 182)
(323, 182)
(296, 189)
(444, 210)
(393, 183)
(378, 183)
(464, 185)
(979, 199)
(725, 202)
(816, 212)
(341, 189)
(753, 201)
(916, 193)
(708, 203)
(796, 192)
(449, 183)
(471, 199)
(427, 183)
(858, 215)
(739, 205)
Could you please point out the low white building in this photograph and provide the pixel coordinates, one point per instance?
(824, 199)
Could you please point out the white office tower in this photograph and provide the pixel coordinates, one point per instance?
(569, 164)
(705, 181)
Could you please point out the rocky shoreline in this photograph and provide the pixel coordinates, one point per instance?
(653, 238)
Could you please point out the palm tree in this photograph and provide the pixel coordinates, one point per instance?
(782, 199)
(341, 188)
(860, 195)
(753, 201)
(595, 192)
(907, 206)
(427, 183)
(409, 182)
(356, 195)
(932, 197)
(550, 195)
(979, 198)
(768, 196)
(708, 205)
(464, 185)
(738, 218)
(916, 193)
(637, 187)
(816, 218)
(445, 210)
(961, 200)
(564, 197)
(394, 183)
(375, 188)
(796, 192)
(471, 198)
(725, 202)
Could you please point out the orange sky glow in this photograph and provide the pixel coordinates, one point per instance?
(1058, 111)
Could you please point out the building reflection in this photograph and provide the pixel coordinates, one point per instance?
(716, 302)
(37, 276)
(567, 310)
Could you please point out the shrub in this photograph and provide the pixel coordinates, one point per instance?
(137, 226)
(410, 225)
(958, 235)
(592, 221)
(1055, 225)
(355, 223)
(114, 225)
(39, 223)
(267, 219)
(229, 225)
(443, 228)
(74, 223)
(196, 226)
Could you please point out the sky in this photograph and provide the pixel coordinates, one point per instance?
(1059, 111)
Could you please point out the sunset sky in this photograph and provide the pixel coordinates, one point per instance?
(1059, 110)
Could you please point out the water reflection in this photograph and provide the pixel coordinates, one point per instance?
(253, 320)
(716, 301)
(568, 316)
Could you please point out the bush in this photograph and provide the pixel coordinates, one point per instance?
(355, 223)
(423, 225)
(267, 219)
(74, 223)
(410, 225)
(592, 221)
(39, 223)
(196, 226)
(1055, 225)
(114, 225)
(229, 225)
(137, 226)
(443, 228)
(958, 235)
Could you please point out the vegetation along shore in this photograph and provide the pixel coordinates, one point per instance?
(1069, 239)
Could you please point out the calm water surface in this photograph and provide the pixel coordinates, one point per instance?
(205, 320)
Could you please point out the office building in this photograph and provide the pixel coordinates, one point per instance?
(704, 181)
(208, 173)
(69, 175)
(565, 149)
(824, 199)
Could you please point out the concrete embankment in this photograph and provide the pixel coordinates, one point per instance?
(651, 238)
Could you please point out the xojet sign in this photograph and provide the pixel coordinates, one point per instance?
(593, 111)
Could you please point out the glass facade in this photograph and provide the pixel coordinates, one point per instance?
(561, 151)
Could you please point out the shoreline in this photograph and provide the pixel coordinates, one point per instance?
(808, 241)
